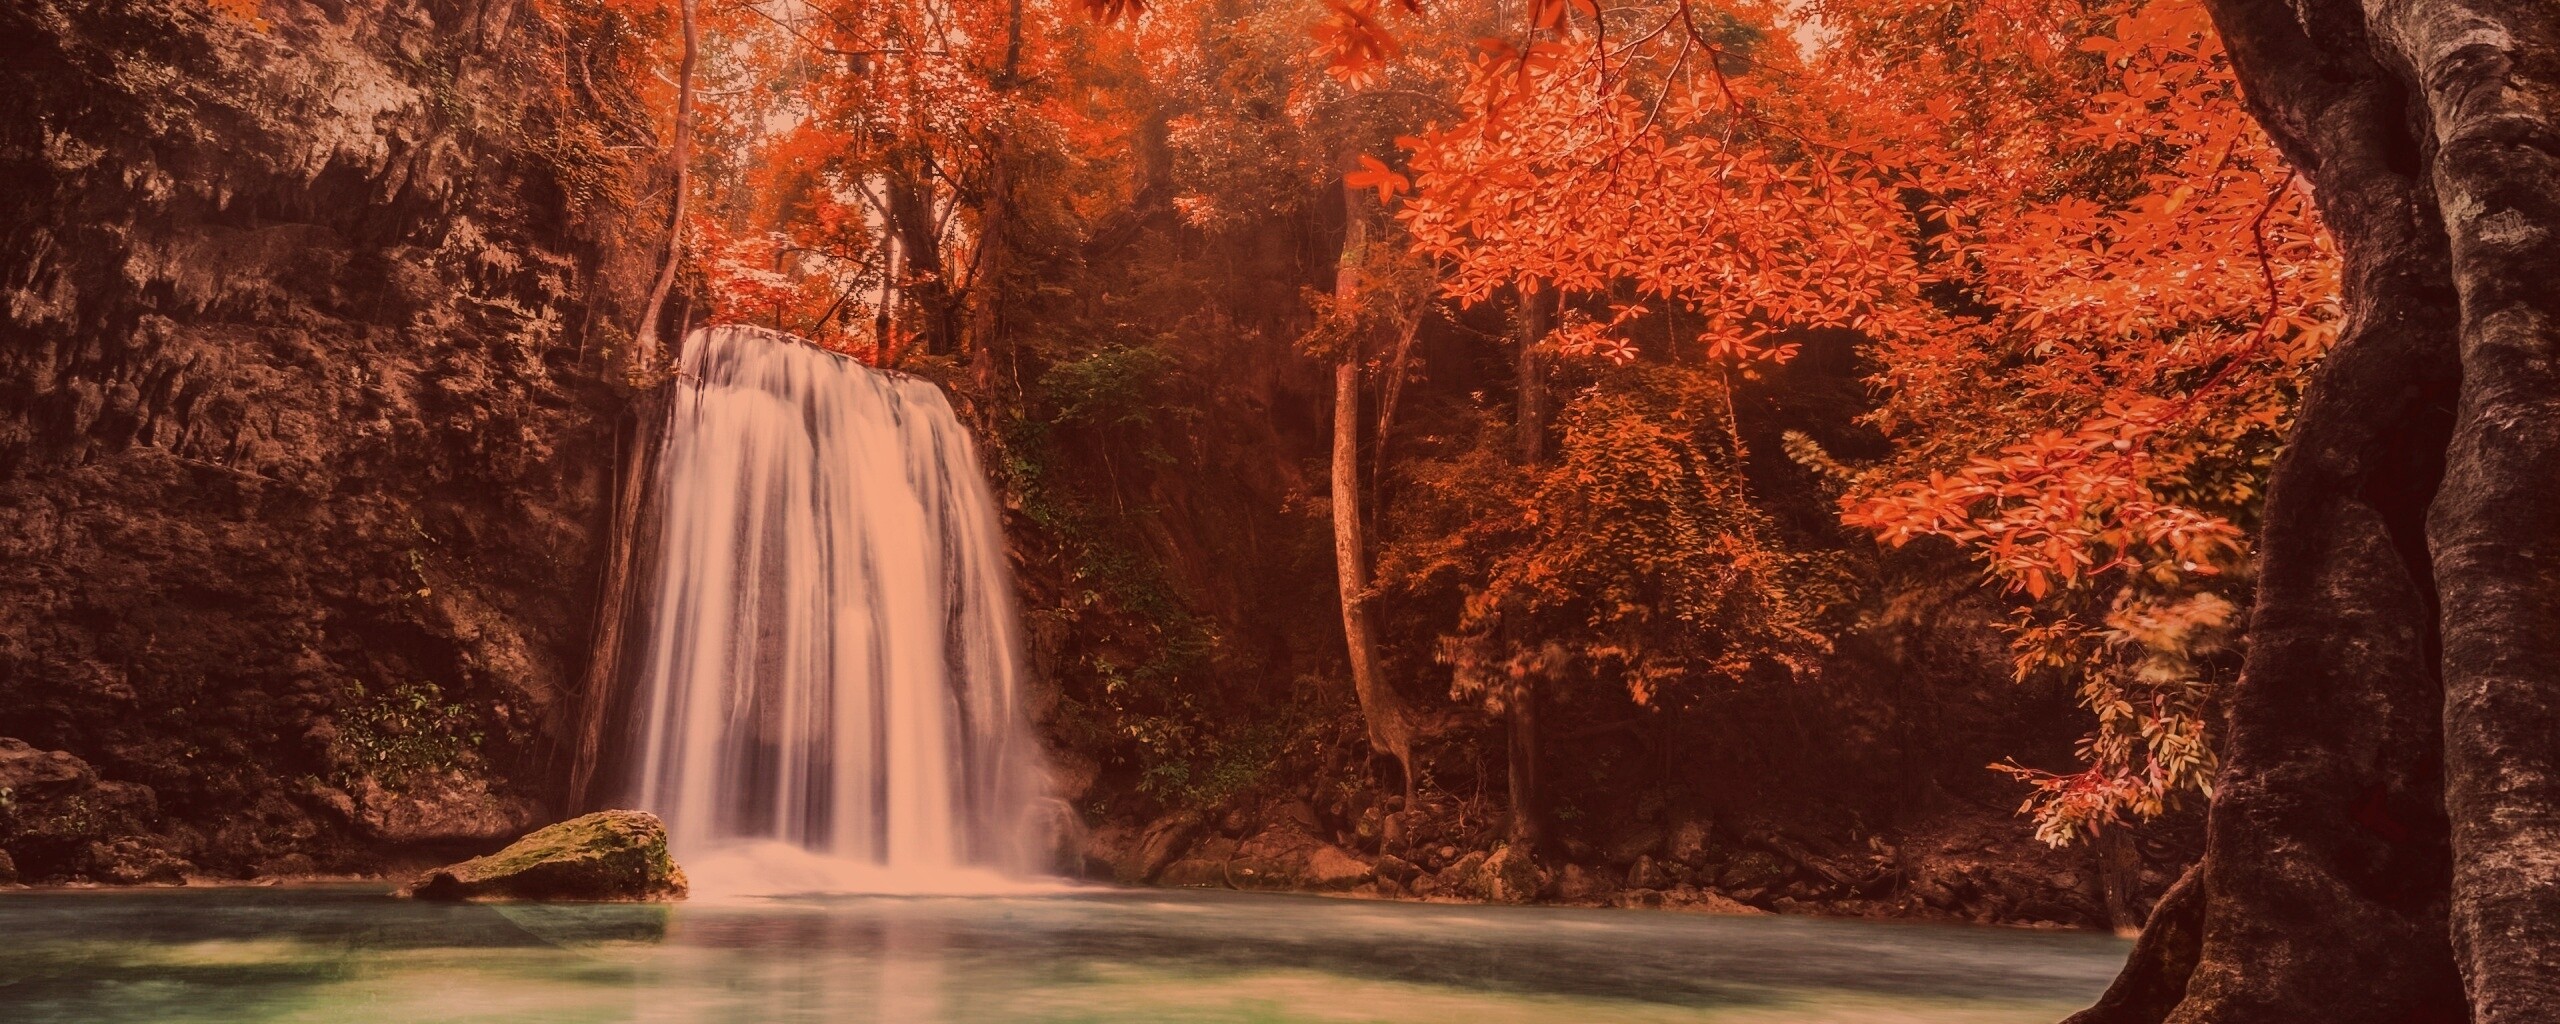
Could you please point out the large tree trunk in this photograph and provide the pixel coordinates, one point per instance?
(2490, 75)
(642, 361)
(1382, 710)
(2334, 885)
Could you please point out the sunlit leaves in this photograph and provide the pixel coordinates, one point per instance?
(2088, 285)
(1374, 173)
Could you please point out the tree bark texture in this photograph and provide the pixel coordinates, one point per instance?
(2490, 75)
(2392, 759)
(925, 279)
(1532, 373)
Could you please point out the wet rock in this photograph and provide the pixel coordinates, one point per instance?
(1689, 842)
(1299, 813)
(1370, 829)
(60, 821)
(1578, 884)
(618, 856)
(134, 860)
(1194, 873)
(1071, 775)
(1106, 846)
(1990, 885)
(1753, 869)
(1057, 831)
(1332, 868)
(31, 776)
(1632, 843)
(1509, 876)
(1161, 844)
(1717, 903)
(8, 869)
(1639, 898)
(1283, 857)
(1401, 870)
(1648, 874)
(291, 865)
(444, 807)
(1460, 876)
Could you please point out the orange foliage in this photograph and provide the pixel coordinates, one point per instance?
(2088, 285)
(248, 11)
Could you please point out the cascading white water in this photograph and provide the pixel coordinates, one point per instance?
(829, 673)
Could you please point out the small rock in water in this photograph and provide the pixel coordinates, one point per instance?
(610, 856)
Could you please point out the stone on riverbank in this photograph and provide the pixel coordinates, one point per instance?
(608, 856)
(1509, 876)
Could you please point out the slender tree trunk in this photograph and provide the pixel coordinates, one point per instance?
(1528, 804)
(2384, 831)
(642, 361)
(2119, 859)
(1532, 373)
(883, 316)
(1381, 708)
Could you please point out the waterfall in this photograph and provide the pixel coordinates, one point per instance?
(829, 680)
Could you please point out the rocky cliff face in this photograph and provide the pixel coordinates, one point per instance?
(304, 448)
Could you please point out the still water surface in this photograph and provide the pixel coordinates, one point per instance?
(339, 954)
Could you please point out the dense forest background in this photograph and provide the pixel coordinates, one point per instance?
(328, 347)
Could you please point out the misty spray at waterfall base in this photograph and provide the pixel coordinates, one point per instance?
(826, 675)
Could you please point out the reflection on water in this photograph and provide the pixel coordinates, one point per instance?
(335, 954)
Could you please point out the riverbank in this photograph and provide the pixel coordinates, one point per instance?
(1969, 867)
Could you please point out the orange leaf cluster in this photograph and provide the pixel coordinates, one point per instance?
(2062, 239)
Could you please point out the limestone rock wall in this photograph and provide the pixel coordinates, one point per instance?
(305, 436)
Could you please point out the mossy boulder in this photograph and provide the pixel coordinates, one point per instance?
(612, 856)
(1509, 876)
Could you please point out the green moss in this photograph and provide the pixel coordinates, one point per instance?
(608, 855)
(405, 730)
